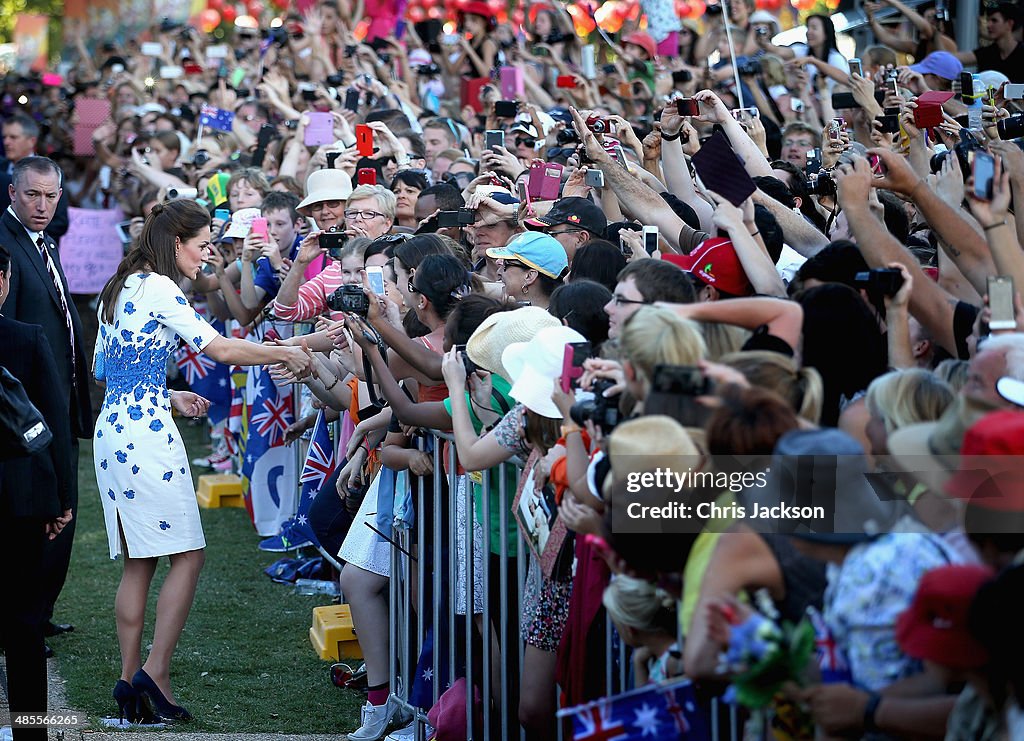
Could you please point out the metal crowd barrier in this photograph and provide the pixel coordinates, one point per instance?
(408, 628)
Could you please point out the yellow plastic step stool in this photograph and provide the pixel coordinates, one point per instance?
(219, 490)
(332, 634)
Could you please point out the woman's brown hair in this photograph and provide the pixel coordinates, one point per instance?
(177, 219)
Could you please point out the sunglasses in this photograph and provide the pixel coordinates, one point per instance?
(515, 264)
(526, 141)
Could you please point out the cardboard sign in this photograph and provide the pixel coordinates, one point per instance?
(91, 250)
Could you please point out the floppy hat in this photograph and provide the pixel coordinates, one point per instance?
(1011, 389)
(541, 252)
(941, 64)
(935, 626)
(826, 467)
(573, 211)
(533, 367)
(715, 263)
(764, 18)
(648, 443)
(241, 223)
(644, 41)
(326, 185)
(497, 331)
(930, 451)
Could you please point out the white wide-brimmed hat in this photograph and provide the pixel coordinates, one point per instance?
(241, 223)
(326, 185)
(533, 367)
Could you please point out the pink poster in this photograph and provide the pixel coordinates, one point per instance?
(91, 250)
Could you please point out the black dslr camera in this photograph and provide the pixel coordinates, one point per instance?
(602, 410)
(333, 241)
(879, 281)
(350, 300)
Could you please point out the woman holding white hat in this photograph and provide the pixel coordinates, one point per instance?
(530, 427)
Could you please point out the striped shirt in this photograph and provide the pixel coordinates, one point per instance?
(312, 297)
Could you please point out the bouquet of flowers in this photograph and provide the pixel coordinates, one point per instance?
(763, 652)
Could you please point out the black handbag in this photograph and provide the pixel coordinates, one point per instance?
(23, 431)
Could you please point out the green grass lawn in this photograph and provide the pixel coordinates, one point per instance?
(244, 663)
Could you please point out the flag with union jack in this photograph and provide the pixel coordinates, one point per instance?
(661, 711)
(206, 377)
(268, 465)
(831, 661)
(319, 465)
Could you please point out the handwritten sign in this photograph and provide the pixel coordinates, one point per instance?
(91, 250)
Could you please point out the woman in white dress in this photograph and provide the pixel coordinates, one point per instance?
(142, 469)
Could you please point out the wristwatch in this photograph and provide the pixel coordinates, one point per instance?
(870, 709)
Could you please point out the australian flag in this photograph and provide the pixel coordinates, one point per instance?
(319, 465)
(207, 378)
(831, 660)
(659, 711)
(216, 118)
(268, 466)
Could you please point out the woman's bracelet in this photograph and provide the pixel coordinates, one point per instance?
(671, 137)
(994, 226)
(336, 379)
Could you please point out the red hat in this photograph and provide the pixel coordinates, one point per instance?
(644, 41)
(716, 264)
(475, 7)
(991, 465)
(934, 627)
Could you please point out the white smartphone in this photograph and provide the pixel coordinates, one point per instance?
(152, 49)
(171, 72)
(587, 66)
(375, 277)
(650, 239)
(220, 51)
(1013, 91)
(1000, 302)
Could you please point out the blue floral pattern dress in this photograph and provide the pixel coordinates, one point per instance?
(142, 469)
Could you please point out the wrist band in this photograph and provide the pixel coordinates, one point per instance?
(328, 388)
(567, 430)
(993, 226)
(671, 137)
(754, 234)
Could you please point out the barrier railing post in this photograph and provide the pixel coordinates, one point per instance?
(435, 587)
(485, 629)
(503, 596)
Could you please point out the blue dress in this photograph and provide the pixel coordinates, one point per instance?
(142, 469)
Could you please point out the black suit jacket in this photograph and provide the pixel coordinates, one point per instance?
(37, 486)
(33, 299)
(58, 226)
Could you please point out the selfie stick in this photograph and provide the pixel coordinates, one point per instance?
(727, 19)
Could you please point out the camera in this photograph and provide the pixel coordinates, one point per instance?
(762, 31)
(349, 299)
(460, 218)
(962, 149)
(821, 184)
(1011, 128)
(175, 193)
(599, 125)
(429, 70)
(335, 80)
(680, 76)
(748, 66)
(468, 364)
(879, 281)
(333, 241)
(602, 410)
(567, 136)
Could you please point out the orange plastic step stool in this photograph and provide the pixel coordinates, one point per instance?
(332, 634)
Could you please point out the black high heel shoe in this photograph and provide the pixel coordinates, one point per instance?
(131, 706)
(145, 686)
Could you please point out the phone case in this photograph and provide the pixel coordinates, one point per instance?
(364, 140)
(544, 181)
(319, 130)
(721, 170)
(511, 83)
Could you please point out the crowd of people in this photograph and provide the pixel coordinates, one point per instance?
(689, 248)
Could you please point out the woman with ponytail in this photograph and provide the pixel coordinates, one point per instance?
(142, 468)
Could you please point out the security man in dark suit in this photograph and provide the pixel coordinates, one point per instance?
(39, 294)
(35, 505)
(20, 137)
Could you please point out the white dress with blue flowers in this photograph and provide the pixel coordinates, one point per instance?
(142, 469)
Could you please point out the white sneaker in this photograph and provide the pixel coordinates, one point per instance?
(377, 719)
(404, 734)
